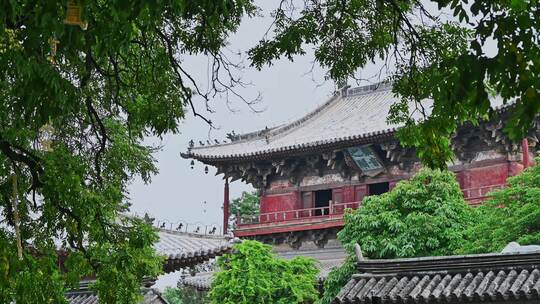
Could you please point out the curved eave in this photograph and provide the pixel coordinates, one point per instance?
(283, 141)
(298, 149)
(175, 262)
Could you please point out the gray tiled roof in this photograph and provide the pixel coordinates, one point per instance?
(359, 116)
(454, 279)
(200, 281)
(84, 295)
(186, 249)
(181, 250)
(326, 260)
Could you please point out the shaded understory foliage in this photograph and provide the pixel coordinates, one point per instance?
(252, 274)
(423, 216)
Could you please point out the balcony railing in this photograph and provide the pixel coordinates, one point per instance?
(335, 210)
(477, 195)
(332, 210)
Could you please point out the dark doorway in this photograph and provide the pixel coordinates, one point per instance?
(322, 199)
(378, 188)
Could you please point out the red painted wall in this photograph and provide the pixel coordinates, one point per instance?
(476, 183)
(514, 168)
(280, 202)
(360, 192)
(348, 194)
(484, 176)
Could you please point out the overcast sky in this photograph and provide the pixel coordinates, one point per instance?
(180, 194)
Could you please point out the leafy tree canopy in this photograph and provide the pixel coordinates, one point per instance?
(428, 53)
(78, 91)
(511, 214)
(252, 274)
(247, 204)
(423, 216)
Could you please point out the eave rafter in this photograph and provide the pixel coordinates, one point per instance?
(468, 141)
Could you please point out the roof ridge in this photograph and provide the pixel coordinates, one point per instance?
(509, 281)
(195, 235)
(276, 130)
(384, 85)
(448, 263)
(308, 116)
(282, 128)
(349, 117)
(445, 257)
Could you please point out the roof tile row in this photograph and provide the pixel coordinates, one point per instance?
(471, 287)
(358, 117)
(184, 249)
(501, 277)
(84, 295)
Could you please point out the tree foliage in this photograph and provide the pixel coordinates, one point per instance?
(252, 274)
(511, 214)
(423, 216)
(247, 204)
(428, 53)
(75, 104)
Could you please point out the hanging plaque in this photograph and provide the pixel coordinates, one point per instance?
(365, 159)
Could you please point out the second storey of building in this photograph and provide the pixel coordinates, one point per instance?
(309, 171)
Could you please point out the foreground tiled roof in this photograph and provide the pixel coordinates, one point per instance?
(454, 279)
(200, 281)
(84, 295)
(187, 249)
(180, 249)
(326, 260)
(360, 117)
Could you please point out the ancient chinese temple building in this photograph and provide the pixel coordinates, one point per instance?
(308, 171)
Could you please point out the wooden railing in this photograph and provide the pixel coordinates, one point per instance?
(332, 209)
(474, 195)
(480, 192)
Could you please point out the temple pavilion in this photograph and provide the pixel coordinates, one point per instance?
(309, 171)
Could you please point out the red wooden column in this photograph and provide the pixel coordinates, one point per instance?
(525, 150)
(226, 207)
